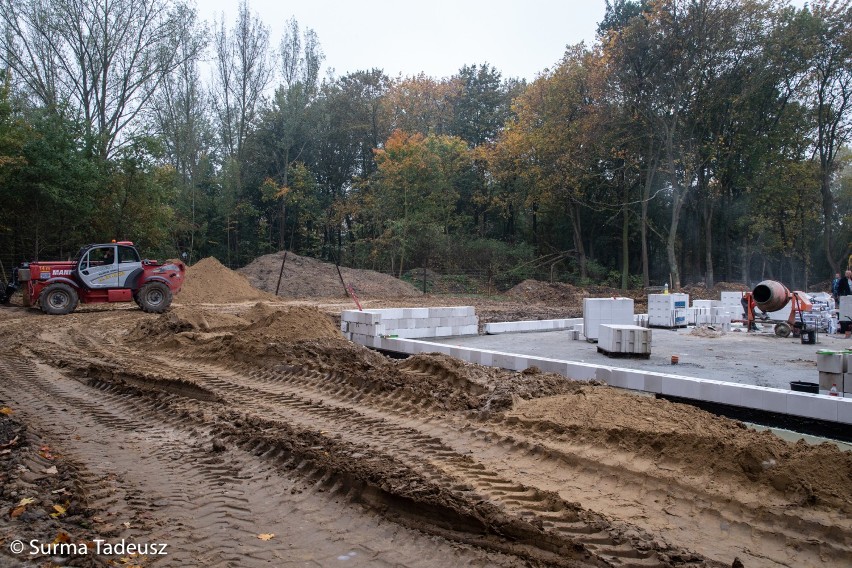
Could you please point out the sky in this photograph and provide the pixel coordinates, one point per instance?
(520, 38)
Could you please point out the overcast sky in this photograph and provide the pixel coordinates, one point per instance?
(520, 38)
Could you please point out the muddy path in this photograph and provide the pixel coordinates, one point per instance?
(207, 441)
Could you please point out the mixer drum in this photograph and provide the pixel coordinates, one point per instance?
(770, 296)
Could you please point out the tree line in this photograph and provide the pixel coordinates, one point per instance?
(694, 140)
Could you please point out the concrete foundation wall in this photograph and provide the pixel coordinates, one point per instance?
(831, 408)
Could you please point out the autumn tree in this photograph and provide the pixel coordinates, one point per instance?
(415, 192)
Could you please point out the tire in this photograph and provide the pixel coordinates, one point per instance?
(58, 299)
(783, 330)
(154, 297)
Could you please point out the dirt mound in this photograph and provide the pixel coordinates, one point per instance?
(210, 282)
(306, 277)
(548, 293)
(696, 442)
(700, 292)
(295, 323)
(261, 325)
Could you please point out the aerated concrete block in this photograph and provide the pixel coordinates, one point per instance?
(830, 362)
(683, 387)
(653, 382)
(416, 313)
(844, 410)
(812, 405)
(710, 391)
(826, 380)
(581, 372)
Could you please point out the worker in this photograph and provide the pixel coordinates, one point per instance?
(844, 288)
(834, 284)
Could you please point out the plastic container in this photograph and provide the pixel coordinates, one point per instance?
(808, 336)
(804, 386)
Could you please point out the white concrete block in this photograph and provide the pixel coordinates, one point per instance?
(581, 372)
(443, 331)
(618, 378)
(775, 400)
(551, 366)
(635, 380)
(391, 313)
(830, 363)
(683, 387)
(710, 391)
(812, 405)
(844, 410)
(827, 380)
(416, 313)
(653, 382)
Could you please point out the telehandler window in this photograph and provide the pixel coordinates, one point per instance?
(127, 254)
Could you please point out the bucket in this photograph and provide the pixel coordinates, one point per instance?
(804, 386)
(808, 336)
(675, 359)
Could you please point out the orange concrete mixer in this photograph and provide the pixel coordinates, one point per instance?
(772, 296)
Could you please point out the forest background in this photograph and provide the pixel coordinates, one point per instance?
(693, 141)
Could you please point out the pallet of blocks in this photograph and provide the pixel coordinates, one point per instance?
(624, 341)
(367, 327)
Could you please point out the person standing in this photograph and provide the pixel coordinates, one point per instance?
(844, 288)
(834, 284)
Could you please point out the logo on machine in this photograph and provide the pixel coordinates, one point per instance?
(61, 272)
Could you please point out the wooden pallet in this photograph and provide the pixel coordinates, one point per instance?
(620, 355)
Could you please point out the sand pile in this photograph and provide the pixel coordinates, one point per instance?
(695, 442)
(310, 278)
(210, 282)
(262, 324)
(295, 323)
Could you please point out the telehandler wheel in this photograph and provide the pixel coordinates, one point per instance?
(783, 330)
(58, 299)
(154, 297)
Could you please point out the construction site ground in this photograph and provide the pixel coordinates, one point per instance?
(250, 433)
(757, 358)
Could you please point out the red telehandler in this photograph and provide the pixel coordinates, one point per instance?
(110, 272)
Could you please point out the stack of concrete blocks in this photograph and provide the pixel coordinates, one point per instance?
(533, 325)
(844, 312)
(713, 312)
(832, 367)
(733, 304)
(597, 311)
(631, 339)
(667, 310)
(366, 326)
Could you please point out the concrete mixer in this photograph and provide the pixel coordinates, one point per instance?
(772, 296)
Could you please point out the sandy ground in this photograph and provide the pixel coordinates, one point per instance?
(252, 435)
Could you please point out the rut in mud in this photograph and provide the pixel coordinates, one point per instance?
(206, 430)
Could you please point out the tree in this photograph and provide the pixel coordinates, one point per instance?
(827, 31)
(544, 141)
(180, 119)
(101, 60)
(300, 65)
(416, 189)
(480, 103)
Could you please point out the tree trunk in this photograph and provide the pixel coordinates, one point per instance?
(578, 241)
(708, 242)
(625, 234)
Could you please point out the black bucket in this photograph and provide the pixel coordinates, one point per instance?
(808, 336)
(804, 386)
